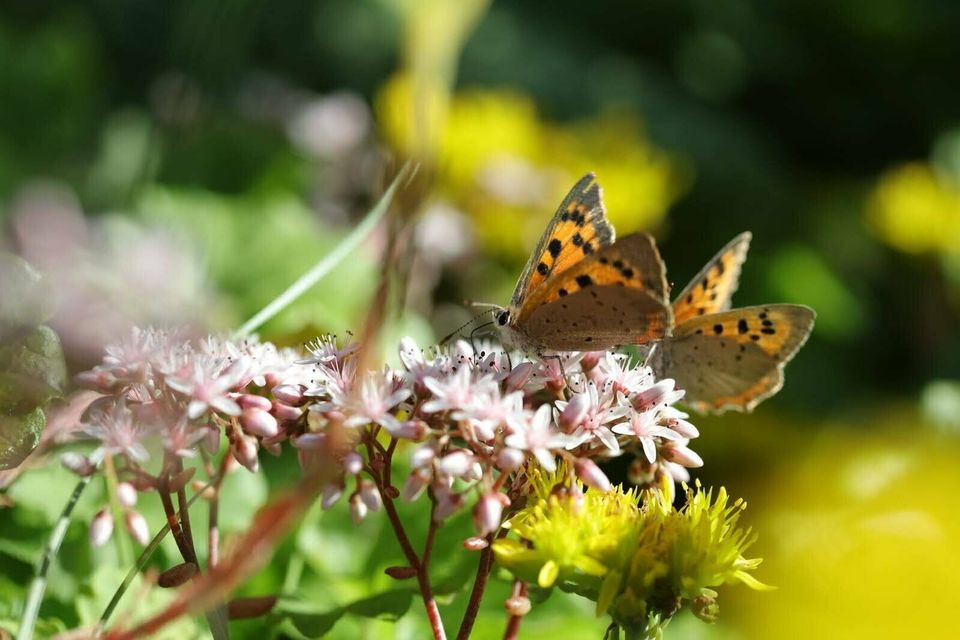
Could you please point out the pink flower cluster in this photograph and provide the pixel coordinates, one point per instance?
(472, 419)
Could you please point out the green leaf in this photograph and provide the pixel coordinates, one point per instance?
(389, 605)
(19, 435)
(32, 371)
(316, 625)
(25, 299)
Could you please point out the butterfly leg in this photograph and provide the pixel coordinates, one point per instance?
(554, 356)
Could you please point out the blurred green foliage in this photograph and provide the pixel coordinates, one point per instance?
(829, 129)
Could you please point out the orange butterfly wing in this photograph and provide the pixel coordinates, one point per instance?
(616, 295)
(578, 229)
(712, 289)
(735, 359)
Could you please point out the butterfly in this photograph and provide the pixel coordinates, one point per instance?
(583, 290)
(728, 359)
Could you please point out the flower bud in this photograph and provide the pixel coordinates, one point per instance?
(101, 528)
(126, 494)
(475, 543)
(358, 509)
(253, 401)
(212, 440)
(331, 493)
(681, 455)
(410, 430)
(422, 456)
(352, 463)
(510, 459)
(288, 394)
(310, 441)
(370, 495)
(206, 491)
(456, 463)
(245, 452)
(137, 526)
(683, 427)
(448, 503)
(518, 376)
(590, 359)
(415, 485)
(518, 606)
(179, 480)
(258, 422)
(487, 514)
(286, 413)
(176, 575)
(77, 463)
(591, 475)
(575, 411)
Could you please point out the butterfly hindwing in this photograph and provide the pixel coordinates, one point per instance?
(733, 359)
(578, 229)
(616, 295)
(711, 290)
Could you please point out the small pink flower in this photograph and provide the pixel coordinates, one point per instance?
(539, 438)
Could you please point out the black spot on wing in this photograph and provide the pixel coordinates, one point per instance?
(584, 280)
(742, 326)
(577, 239)
(554, 248)
(543, 269)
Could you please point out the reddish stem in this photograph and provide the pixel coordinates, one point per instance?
(513, 623)
(476, 594)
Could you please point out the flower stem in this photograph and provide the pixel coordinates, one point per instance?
(513, 623)
(329, 261)
(32, 607)
(476, 594)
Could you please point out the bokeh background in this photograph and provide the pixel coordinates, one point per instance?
(183, 162)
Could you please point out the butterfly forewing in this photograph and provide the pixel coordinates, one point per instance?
(733, 359)
(578, 229)
(711, 290)
(616, 295)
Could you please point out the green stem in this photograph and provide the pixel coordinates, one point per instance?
(32, 607)
(328, 262)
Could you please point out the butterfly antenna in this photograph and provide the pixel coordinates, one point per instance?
(449, 336)
(475, 329)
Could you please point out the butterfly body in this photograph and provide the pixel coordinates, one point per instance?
(582, 290)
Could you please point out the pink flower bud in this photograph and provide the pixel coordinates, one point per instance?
(683, 427)
(681, 455)
(575, 411)
(258, 422)
(591, 475)
(653, 396)
(331, 493)
(475, 543)
(212, 440)
(179, 480)
(518, 606)
(510, 459)
(352, 463)
(253, 401)
(448, 503)
(422, 457)
(415, 485)
(126, 494)
(137, 526)
(176, 575)
(358, 509)
(370, 495)
(410, 430)
(311, 441)
(519, 376)
(487, 514)
(245, 452)
(101, 528)
(77, 463)
(456, 463)
(289, 394)
(273, 448)
(286, 413)
(590, 359)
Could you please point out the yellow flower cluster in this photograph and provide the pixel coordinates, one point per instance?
(495, 158)
(636, 556)
(916, 210)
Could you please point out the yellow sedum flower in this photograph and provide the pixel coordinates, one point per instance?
(636, 556)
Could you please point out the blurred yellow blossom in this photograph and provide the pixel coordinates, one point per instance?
(508, 168)
(916, 209)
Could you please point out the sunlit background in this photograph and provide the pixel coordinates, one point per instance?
(183, 162)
